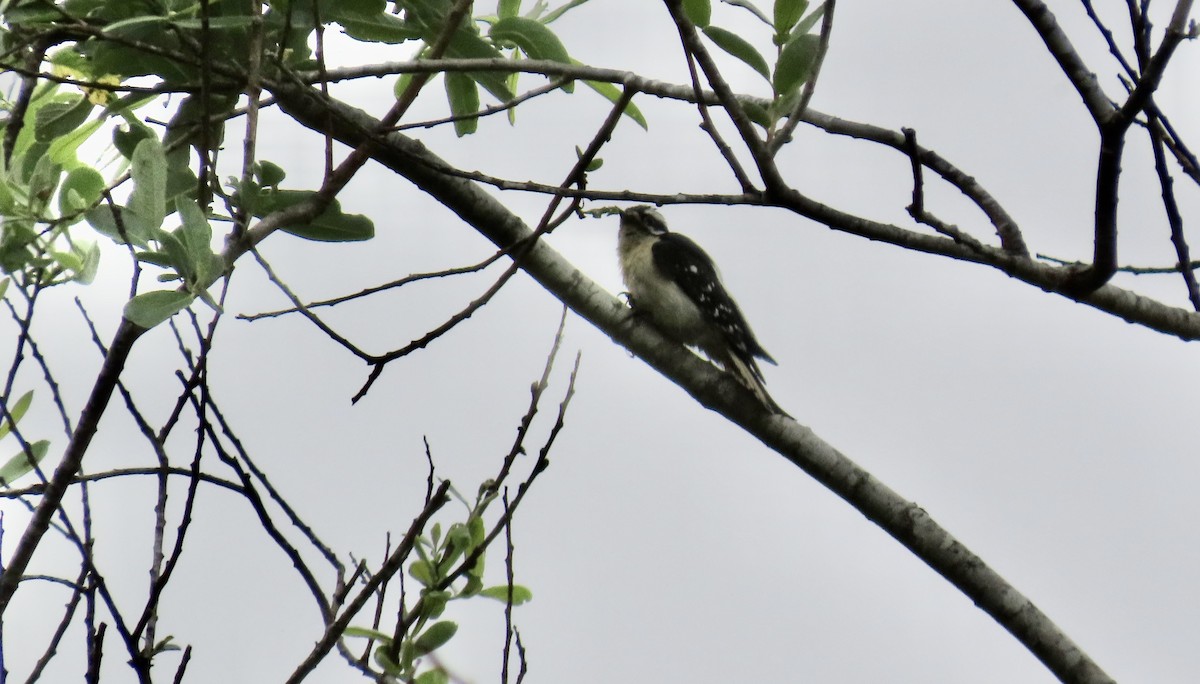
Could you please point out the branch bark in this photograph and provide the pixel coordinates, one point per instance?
(902, 519)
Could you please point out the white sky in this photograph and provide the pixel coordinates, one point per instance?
(663, 544)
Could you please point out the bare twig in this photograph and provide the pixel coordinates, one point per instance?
(772, 180)
(917, 209)
(416, 277)
(1174, 217)
(77, 592)
(393, 564)
(709, 127)
(550, 87)
(508, 601)
(300, 306)
(1081, 77)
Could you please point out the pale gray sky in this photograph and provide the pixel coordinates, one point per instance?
(664, 544)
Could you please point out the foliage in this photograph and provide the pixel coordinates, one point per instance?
(85, 164)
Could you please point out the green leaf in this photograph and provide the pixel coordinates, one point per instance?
(555, 14)
(508, 8)
(42, 182)
(181, 180)
(151, 308)
(810, 21)
(270, 174)
(787, 13)
(124, 61)
(699, 12)
(149, 197)
(795, 64)
(196, 235)
(468, 45)
(612, 93)
(105, 222)
(434, 638)
(31, 13)
(68, 262)
(57, 118)
(473, 586)
(8, 202)
(758, 114)
(435, 676)
(460, 538)
(478, 530)
(421, 571)
(463, 95)
(330, 226)
(216, 23)
(15, 239)
(535, 40)
(383, 660)
(368, 634)
(334, 226)
(159, 259)
(127, 26)
(63, 149)
(24, 461)
(376, 27)
(200, 121)
(533, 37)
(127, 137)
(751, 8)
(81, 189)
(435, 603)
(18, 408)
(520, 594)
(196, 231)
(593, 165)
(738, 47)
(91, 264)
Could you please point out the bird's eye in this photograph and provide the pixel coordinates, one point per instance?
(653, 221)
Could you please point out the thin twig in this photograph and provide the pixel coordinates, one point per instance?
(692, 45)
(393, 564)
(917, 209)
(416, 277)
(708, 126)
(1174, 217)
(550, 87)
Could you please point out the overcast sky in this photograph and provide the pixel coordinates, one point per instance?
(664, 544)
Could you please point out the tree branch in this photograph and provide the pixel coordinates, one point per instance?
(902, 519)
(1072, 65)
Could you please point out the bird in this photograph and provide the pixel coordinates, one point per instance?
(674, 282)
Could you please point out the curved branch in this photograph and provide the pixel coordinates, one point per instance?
(902, 519)
(1006, 227)
(1081, 77)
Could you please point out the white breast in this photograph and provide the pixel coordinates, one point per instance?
(654, 295)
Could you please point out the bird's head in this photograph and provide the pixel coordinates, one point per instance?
(644, 219)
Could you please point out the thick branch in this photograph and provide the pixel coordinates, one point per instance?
(64, 474)
(902, 519)
(1113, 129)
(1060, 47)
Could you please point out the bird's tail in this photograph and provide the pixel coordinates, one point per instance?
(750, 377)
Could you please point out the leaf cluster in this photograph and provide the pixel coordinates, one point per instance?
(44, 189)
(443, 559)
(796, 49)
(25, 460)
(201, 51)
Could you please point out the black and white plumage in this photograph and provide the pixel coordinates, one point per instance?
(674, 282)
